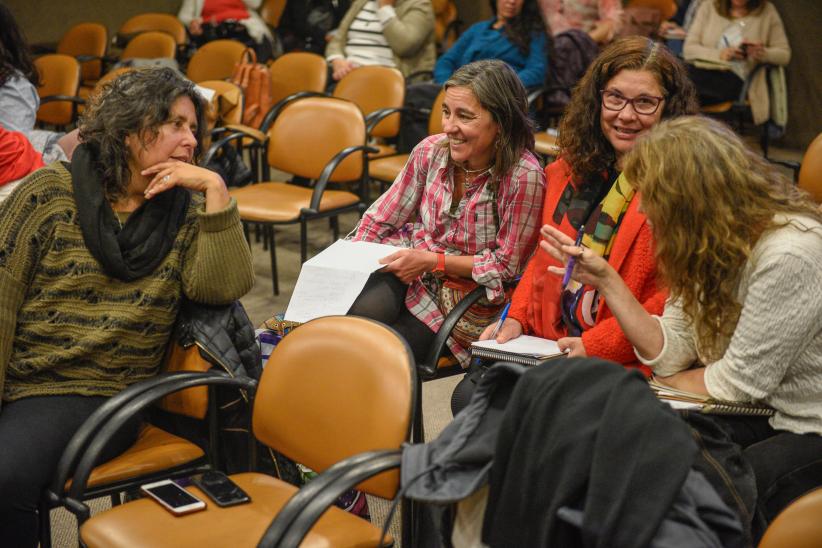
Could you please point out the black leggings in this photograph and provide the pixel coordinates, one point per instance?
(715, 86)
(383, 299)
(33, 433)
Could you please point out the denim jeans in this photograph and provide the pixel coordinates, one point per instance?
(757, 470)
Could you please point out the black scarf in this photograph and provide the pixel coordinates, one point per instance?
(136, 249)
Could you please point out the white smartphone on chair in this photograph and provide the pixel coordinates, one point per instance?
(172, 497)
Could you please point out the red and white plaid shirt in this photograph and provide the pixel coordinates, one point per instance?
(416, 213)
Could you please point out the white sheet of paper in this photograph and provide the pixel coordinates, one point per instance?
(330, 282)
(524, 344)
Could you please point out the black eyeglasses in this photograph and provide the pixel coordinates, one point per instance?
(644, 104)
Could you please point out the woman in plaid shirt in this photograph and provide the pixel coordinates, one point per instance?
(466, 209)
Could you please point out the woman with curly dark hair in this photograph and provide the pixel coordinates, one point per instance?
(515, 35)
(740, 248)
(18, 76)
(632, 85)
(95, 258)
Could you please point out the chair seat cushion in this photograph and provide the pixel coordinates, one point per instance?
(387, 169)
(384, 150)
(144, 523)
(283, 202)
(154, 450)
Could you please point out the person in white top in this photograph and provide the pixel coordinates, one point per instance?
(740, 248)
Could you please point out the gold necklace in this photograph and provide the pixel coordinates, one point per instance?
(473, 173)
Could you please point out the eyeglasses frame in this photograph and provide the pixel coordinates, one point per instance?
(630, 101)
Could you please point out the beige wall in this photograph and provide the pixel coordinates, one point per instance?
(46, 20)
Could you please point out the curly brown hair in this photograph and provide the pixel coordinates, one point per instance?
(709, 199)
(581, 141)
(137, 102)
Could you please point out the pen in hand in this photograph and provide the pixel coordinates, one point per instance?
(501, 320)
(569, 266)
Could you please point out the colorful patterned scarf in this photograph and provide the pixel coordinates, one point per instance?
(599, 231)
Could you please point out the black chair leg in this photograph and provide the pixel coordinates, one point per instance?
(275, 279)
(335, 227)
(45, 525)
(303, 241)
(418, 429)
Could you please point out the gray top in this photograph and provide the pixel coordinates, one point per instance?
(18, 104)
(775, 353)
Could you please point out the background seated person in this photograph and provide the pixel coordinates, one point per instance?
(305, 24)
(391, 33)
(19, 99)
(515, 35)
(727, 39)
(94, 261)
(17, 159)
(204, 17)
(465, 208)
(641, 83)
(601, 19)
(740, 248)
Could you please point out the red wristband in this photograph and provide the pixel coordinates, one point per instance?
(440, 264)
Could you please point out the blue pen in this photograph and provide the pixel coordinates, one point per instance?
(569, 266)
(501, 319)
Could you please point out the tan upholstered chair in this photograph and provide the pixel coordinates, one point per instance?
(666, 8)
(58, 90)
(156, 454)
(215, 60)
(374, 88)
(87, 42)
(810, 172)
(164, 22)
(295, 72)
(797, 526)
(317, 138)
(333, 388)
(152, 44)
(546, 145)
(386, 169)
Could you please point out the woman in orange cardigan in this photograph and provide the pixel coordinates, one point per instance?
(632, 85)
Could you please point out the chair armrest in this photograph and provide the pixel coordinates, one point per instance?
(377, 116)
(238, 133)
(302, 511)
(319, 186)
(277, 107)
(428, 369)
(56, 98)
(127, 411)
(534, 94)
(421, 76)
(743, 93)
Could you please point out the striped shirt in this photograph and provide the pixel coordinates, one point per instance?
(366, 43)
(416, 212)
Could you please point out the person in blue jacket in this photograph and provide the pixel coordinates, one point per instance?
(515, 35)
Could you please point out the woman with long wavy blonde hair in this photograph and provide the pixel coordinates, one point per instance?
(740, 249)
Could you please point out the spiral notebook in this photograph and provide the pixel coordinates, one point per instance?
(525, 350)
(680, 399)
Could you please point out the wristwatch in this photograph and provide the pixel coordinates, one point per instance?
(440, 268)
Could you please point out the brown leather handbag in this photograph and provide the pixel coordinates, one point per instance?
(255, 81)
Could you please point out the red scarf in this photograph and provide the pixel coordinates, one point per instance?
(17, 157)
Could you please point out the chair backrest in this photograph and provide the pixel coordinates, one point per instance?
(86, 39)
(335, 387)
(215, 60)
(666, 8)
(164, 22)
(271, 11)
(372, 88)
(227, 103)
(310, 131)
(297, 71)
(192, 402)
(59, 75)
(435, 118)
(810, 173)
(152, 44)
(108, 77)
(798, 525)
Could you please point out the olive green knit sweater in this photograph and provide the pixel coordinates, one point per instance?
(66, 327)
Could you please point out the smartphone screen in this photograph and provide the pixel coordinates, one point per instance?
(220, 488)
(173, 497)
